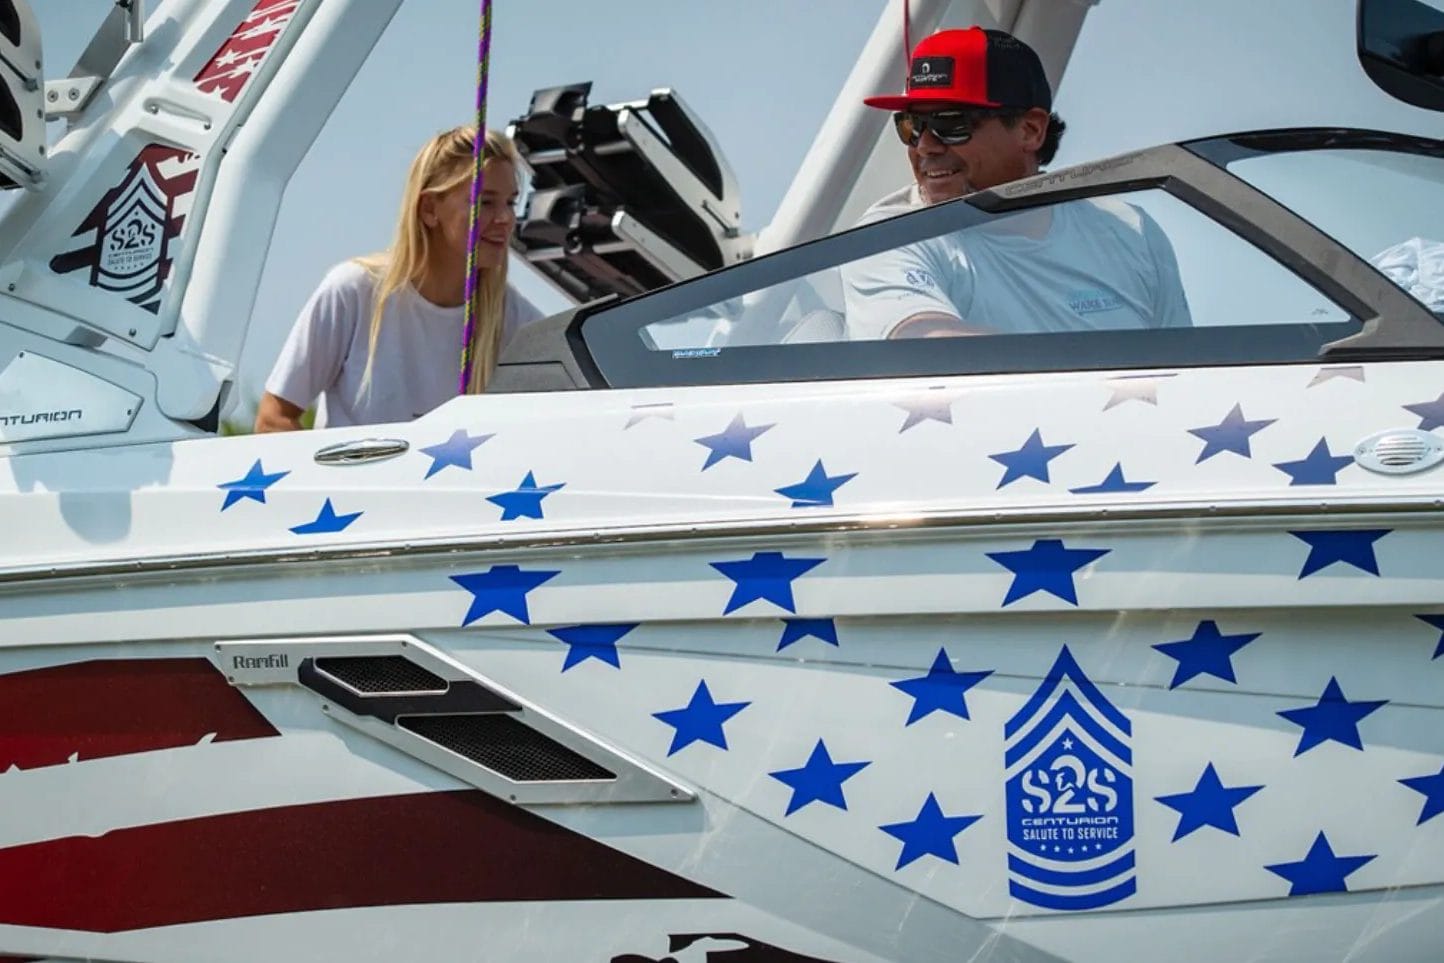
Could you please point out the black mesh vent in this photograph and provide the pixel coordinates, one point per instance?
(381, 674)
(505, 746)
(9, 22)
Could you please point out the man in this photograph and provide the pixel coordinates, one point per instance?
(977, 114)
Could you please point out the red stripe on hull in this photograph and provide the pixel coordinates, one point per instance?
(442, 847)
(91, 710)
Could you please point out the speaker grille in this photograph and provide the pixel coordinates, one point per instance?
(505, 746)
(381, 674)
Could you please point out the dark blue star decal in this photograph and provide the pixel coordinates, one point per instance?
(525, 501)
(795, 630)
(1231, 434)
(1320, 871)
(591, 642)
(930, 834)
(501, 588)
(941, 689)
(455, 450)
(1431, 413)
(1115, 482)
(1354, 548)
(1046, 567)
(1209, 803)
(327, 521)
(818, 780)
(1030, 461)
(1318, 468)
(1432, 788)
(700, 720)
(252, 485)
(767, 576)
(816, 489)
(734, 441)
(1437, 621)
(1208, 652)
(1332, 718)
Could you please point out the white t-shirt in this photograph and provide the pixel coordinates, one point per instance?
(1101, 264)
(418, 352)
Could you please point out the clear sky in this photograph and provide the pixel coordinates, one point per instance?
(762, 74)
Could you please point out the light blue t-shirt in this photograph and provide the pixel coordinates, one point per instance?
(1087, 265)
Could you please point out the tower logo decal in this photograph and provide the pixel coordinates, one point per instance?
(1069, 795)
(128, 240)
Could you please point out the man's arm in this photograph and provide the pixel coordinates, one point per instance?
(1170, 304)
(275, 413)
(909, 292)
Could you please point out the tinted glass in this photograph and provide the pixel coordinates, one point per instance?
(1131, 262)
(1385, 206)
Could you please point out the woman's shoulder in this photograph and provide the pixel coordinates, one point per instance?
(519, 308)
(352, 275)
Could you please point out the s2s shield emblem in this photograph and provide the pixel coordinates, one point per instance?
(1069, 795)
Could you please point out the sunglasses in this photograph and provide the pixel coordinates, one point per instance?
(950, 127)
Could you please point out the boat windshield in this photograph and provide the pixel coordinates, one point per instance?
(1386, 206)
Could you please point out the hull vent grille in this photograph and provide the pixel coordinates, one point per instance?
(381, 674)
(505, 746)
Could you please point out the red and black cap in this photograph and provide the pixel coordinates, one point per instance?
(975, 67)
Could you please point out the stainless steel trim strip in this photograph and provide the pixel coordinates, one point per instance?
(1200, 511)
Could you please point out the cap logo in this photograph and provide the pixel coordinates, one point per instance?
(931, 72)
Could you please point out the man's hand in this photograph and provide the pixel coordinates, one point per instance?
(935, 324)
(277, 414)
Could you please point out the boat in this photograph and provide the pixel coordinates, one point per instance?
(713, 633)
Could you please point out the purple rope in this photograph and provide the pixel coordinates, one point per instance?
(483, 59)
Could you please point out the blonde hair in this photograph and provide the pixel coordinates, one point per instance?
(443, 162)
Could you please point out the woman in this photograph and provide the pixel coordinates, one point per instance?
(380, 339)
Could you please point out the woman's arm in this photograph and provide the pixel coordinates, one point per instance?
(275, 413)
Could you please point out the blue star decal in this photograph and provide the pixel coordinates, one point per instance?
(252, 485)
(1046, 567)
(1431, 413)
(930, 834)
(591, 642)
(941, 689)
(1030, 461)
(700, 720)
(795, 630)
(818, 780)
(767, 576)
(455, 450)
(1208, 652)
(501, 588)
(525, 501)
(1209, 803)
(327, 521)
(1231, 434)
(1432, 788)
(1354, 548)
(1320, 871)
(1437, 621)
(816, 489)
(1318, 468)
(734, 441)
(1115, 482)
(1332, 718)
